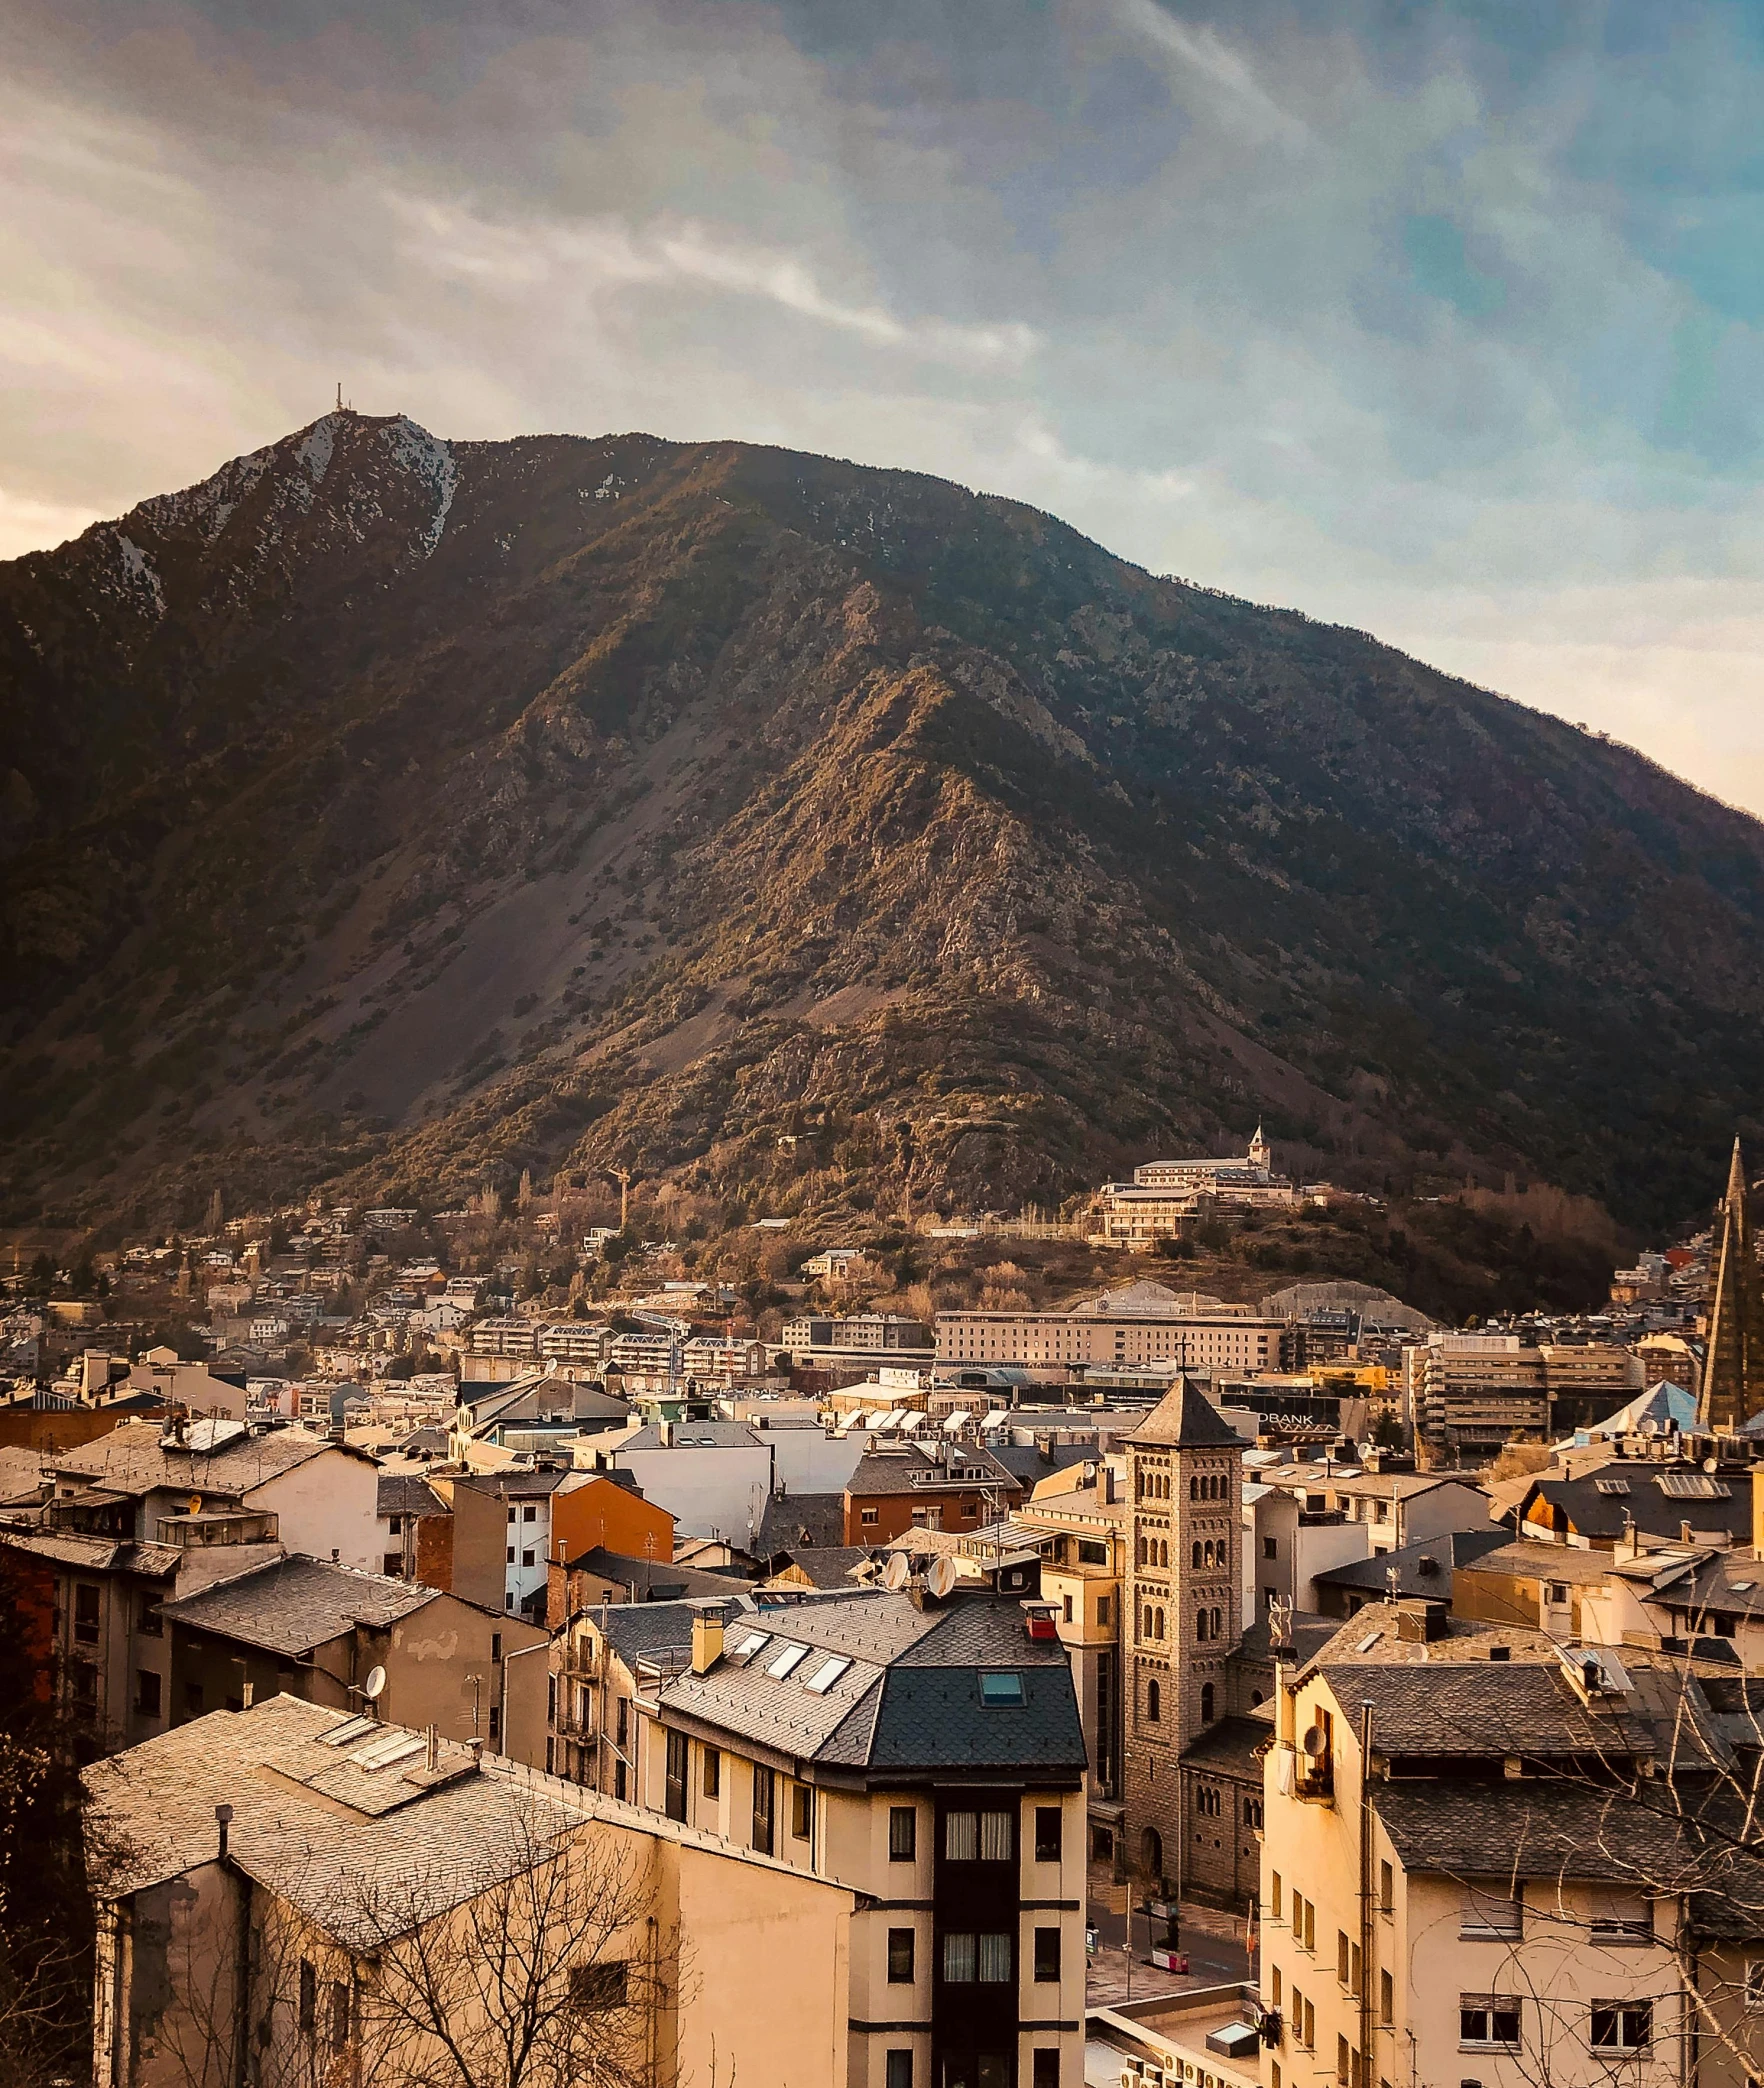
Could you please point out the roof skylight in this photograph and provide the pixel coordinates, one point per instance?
(787, 1657)
(1001, 1689)
(826, 1675)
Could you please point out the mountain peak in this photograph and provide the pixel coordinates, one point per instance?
(441, 811)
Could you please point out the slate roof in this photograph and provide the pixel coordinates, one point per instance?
(1600, 1516)
(22, 1478)
(408, 1493)
(1307, 1636)
(695, 1435)
(1231, 1747)
(96, 1554)
(1026, 1463)
(1530, 1828)
(827, 1565)
(296, 1603)
(656, 1580)
(909, 1699)
(888, 1471)
(642, 1630)
(1527, 1558)
(1444, 1555)
(363, 1852)
(794, 1522)
(136, 1459)
(1186, 1419)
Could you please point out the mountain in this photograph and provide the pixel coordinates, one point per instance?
(410, 813)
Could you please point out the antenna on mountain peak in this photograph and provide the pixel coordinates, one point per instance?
(339, 395)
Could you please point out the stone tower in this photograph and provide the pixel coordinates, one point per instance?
(1182, 1617)
(1733, 1372)
(1261, 1154)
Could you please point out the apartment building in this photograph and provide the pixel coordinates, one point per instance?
(372, 1865)
(1469, 1395)
(1477, 1862)
(930, 1756)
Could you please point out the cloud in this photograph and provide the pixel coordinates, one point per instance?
(1201, 51)
(1431, 321)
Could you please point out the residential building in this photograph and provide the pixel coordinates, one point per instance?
(713, 1477)
(1586, 1380)
(324, 1495)
(373, 1866)
(1670, 1359)
(930, 1756)
(1601, 1503)
(861, 1342)
(1479, 1853)
(1429, 1570)
(313, 1630)
(1469, 1395)
(896, 1487)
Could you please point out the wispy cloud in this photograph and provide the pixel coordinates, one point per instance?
(1202, 52)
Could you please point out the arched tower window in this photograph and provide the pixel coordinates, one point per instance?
(1154, 1698)
(1206, 1703)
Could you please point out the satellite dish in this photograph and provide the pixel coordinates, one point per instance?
(941, 1579)
(374, 1687)
(894, 1574)
(1314, 1742)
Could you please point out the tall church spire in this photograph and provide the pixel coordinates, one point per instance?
(1733, 1370)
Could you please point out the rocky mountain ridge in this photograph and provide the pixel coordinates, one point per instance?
(407, 814)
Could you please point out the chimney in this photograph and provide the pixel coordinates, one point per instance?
(434, 1739)
(707, 1637)
(1684, 1533)
(224, 1819)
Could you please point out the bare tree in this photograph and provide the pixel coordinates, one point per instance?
(549, 1968)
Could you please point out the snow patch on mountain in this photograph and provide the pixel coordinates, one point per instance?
(207, 507)
(138, 571)
(415, 449)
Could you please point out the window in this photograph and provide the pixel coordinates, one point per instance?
(1274, 1896)
(1046, 2065)
(1047, 1954)
(526, 1558)
(1206, 1703)
(1154, 1698)
(1270, 1547)
(1066, 1609)
(1621, 1918)
(1102, 1622)
(1342, 2062)
(674, 1793)
(995, 1960)
(147, 1693)
(598, 1989)
(764, 1782)
(511, 1552)
(871, 1515)
(1495, 1910)
(150, 1624)
(1047, 1834)
(495, 1724)
(903, 1833)
(528, 1513)
(511, 1515)
(958, 1959)
(85, 1614)
(339, 2015)
(713, 1772)
(1386, 1889)
(900, 2070)
(392, 1565)
(308, 1997)
(1386, 1998)
(1622, 2026)
(961, 1837)
(1341, 1956)
(999, 1690)
(1489, 2019)
(192, 1699)
(997, 1841)
(1274, 1989)
(900, 1957)
(802, 1811)
(1556, 1593)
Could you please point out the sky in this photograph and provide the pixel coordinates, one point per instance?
(1446, 322)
